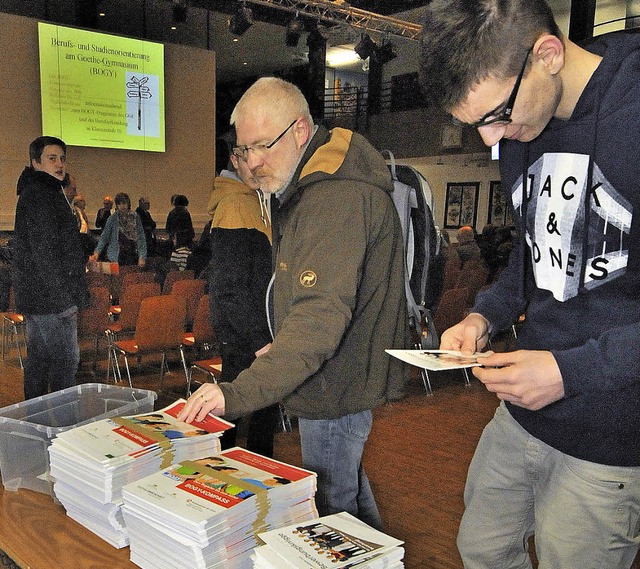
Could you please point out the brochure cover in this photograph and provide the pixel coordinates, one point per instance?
(197, 491)
(133, 435)
(339, 541)
(437, 360)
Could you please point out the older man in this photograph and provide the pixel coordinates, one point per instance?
(104, 212)
(48, 270)
(339, 291)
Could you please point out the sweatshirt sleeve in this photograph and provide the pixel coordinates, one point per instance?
(609, 362)
(602, 360)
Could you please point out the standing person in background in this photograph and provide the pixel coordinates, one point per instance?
(87, 240)
(79, 204)
(123, 236)
(69, 189)
(148, 223)
(200, 256)
(48, 270)
(181, 254)
(561, 457)
(104, 212)
(239, 274)
(179, 223)
(338, 296)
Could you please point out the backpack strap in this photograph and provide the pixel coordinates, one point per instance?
(405, 198)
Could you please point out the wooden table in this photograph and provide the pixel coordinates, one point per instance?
(37, 534)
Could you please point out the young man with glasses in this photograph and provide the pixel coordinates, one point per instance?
(338, 296)
(561, 457)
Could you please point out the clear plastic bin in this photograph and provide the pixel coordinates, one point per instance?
(26, 428)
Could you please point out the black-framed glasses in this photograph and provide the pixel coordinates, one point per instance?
(504, 117)
(242, 152)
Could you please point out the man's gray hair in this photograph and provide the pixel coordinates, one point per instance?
(279, 97)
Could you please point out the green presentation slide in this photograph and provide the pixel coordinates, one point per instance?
(101, 90)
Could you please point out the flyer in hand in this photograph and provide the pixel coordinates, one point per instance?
(437, 360)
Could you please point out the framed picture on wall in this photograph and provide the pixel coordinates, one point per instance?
(499, 211)
(461, 207)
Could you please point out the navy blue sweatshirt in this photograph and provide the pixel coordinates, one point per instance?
(575, 269)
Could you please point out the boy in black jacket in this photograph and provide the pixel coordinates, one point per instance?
(48, 270)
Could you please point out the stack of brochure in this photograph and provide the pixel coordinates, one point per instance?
(91, 463)
(206, 513)
(335, 541)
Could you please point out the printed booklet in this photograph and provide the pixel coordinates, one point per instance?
(120, 439)
(337, 541)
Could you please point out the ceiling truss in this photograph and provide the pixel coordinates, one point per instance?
(341, 13)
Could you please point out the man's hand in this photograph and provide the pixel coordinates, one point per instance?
(141, 262)
(468, 336)
(207, 399)
(93, 257)
(527, 378)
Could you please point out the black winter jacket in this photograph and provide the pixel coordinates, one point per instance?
(48, 261)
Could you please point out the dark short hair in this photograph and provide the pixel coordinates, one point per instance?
(36, 148)
(181, 201)
(122, 198)
(223, 153)
(466, 41)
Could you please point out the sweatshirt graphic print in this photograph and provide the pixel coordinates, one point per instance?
(564, 236)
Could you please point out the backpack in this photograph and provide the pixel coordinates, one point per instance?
(424, 269)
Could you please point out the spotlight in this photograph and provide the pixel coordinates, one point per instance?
(365, 47)
(295, 27)
(241, 21)
(385, 53)
(179, 13)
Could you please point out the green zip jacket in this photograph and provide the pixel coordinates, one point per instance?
(339, 296)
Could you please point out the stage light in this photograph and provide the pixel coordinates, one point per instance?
(179, 13)
(241, 21)
(295, 27)
(385, 53)
(365, 47)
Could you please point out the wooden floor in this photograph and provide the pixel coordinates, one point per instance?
(416, 458)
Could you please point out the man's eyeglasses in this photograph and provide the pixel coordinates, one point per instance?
(242, 152)
(505, 116)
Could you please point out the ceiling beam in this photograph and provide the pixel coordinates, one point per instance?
(342, 13)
